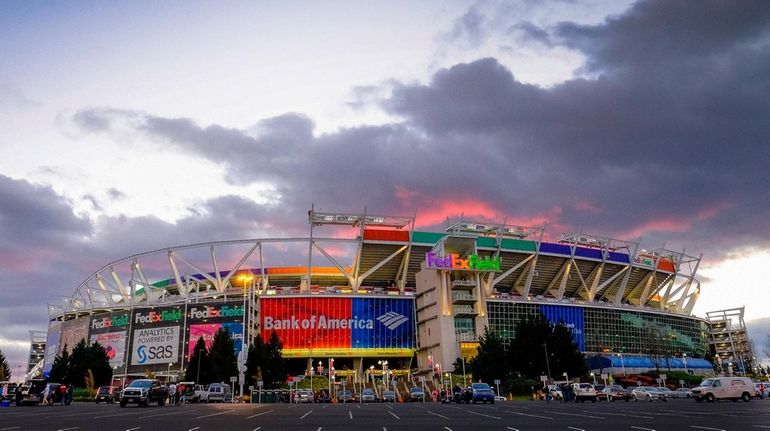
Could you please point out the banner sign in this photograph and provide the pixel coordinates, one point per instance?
(571, 317)
(326, 326)
(217, 311)
(155, 345)
(72, 331)
(114, 344)
(108, 322)
(207, 332)
(454, 262)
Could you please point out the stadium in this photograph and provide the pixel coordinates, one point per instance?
(369, 294)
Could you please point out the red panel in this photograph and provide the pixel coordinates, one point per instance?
(291, 314)
(386, 235)
(666, 265)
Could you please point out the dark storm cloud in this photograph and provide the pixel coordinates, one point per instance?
(666, 136)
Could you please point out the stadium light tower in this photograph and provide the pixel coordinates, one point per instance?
(246, 279)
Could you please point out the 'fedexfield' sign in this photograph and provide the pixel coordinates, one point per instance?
(454, 262)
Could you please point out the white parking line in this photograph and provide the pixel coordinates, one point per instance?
(448, 429)
(193, 429)
(215, 414)
(640, 428)
(706, 428)
(578, 414)
(305, 415)
(132, 429)
(259, 414)
(319, 429)
(160, 414)
(530, 415)
(67, 429)
(576, 429)
(113, 416)
(389, 406)
(482, 414)
(513, 429)
(257, 429)
(350, 413)
(755, 426)
(11, 428)
(436, 414)
(394, 415)
(624, 415)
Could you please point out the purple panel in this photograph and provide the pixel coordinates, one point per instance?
(588, 252)
(547, 247)
(618, 257)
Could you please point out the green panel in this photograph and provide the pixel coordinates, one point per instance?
(485, 241)
(519, 244)
(427, 237)
(162, 283)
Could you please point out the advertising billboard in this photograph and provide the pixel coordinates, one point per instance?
(155, 345)
(156, 337)
(51, 345)
(572, 317)
(114, 344)
(72, 331)
(207, 332)
(340, 326)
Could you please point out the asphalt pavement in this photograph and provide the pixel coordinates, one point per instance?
(683, 414)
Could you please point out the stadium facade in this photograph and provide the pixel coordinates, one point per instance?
(413, 300)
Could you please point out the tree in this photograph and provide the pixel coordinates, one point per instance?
(490, 361)
(199, 368)
(533, 336)
(98, 363)
(5, 370)
(255, 360)
(60, 367)
(78, 364)
(222, 354)
(274, 367)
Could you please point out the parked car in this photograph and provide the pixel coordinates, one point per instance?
(108, 394)
(7, 390)
(218, 393)
(555, 392)
(388, 396)
(367, 395)
(416, 394)
(143, 392)
(761, 389)
(647, 393)
(304, 396)
(584, 392)
(668, 392)
(482, 392)
(344, 396)
(731, 388)
(31, 392)
(500, 398)
(614, 393)
(684, 393)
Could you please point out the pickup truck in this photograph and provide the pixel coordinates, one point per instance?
(143, 392)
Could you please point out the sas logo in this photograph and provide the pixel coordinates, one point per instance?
(392, 320)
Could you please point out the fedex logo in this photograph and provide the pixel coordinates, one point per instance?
(454, 262)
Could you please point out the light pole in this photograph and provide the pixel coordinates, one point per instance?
(465, 382)
(168, 372)
(684, 359)
(198, 373)
(593, 377)
(566, 377)
(547, 364)
(331, 375)
(311, 374)
(242, 357)
(446, 378)
(622, 364)
(384, 364)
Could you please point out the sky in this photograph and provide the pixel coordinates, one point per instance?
(126, 127)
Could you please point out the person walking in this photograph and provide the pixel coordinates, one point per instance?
(46, 395)
(62, 393)
(172, 394)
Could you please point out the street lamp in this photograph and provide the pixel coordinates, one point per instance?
(168, 372)
(371, 374)
(465, 383)
(684, 359)
(593, 377)
(242, 357)
(566, 377)
(547, 363)
(198, 374)
(622, 364)
(384, 364)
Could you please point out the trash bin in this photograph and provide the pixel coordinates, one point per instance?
(5, 403)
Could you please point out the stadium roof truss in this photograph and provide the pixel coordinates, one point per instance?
(382, 254)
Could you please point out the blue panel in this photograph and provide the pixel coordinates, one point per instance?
(393, 323)
(618, 257)
(547, 247)
(588, 252)
(572, 317)
(236, 333)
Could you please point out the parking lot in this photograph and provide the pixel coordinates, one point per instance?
(681, 414)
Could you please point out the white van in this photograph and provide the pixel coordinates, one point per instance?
(720, 388)
(219, 392)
